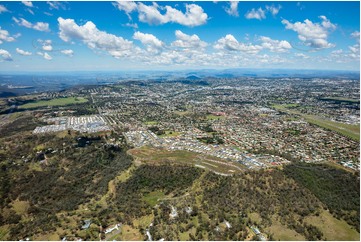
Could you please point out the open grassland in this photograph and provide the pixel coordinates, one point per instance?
(4, 232)
(55, 102)
(348, 130)
(151, 123)
(341, 99)
(332, 228)
(281, 232)
(152, 198)
(150, 155)
(214, 117)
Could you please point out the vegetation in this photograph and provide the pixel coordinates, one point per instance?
(54, 102)
(348, 130)
(336, 188)
(340, 99)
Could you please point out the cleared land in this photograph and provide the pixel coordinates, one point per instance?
(332, 228)
(150, 155)
(342, 99)
(348, 130)
(55, 102)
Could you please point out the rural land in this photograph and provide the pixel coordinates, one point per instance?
(184, 158)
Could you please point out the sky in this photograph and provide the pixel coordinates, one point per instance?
(111, 36)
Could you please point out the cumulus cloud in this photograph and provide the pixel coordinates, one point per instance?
(153, 43)
(67, 52)
(46, 45)
(273, 9)
(230, 43)
(188, 41)
(28, 3)
(275, 45)
(94, 38)
(151, 14)
(3, 9)
(23, 52)
(6, 56)
(232, 9)
(40, 26)
(45, 55)
(256, 14)
(126, 6)
(5, 36)
(312, 34)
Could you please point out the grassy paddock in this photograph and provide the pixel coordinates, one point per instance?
(332, 228)
(55, 102)
(348, 130)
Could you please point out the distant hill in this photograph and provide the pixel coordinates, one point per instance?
(192, 77)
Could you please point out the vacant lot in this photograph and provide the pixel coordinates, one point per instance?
(160, 156)
(55, 102)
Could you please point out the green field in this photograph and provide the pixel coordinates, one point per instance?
(348, 130)
(55, 102)
(152, 197)
(342, 99)
(332, 228)
(214, 117)
(151, 123)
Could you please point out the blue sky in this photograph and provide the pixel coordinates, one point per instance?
(97, 36)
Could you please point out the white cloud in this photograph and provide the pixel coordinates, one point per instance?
(126, 6)
(40, 26)
(232, 9)
(46, 44)
(5, 36)
(354, 51)
(256, 14)
(67, 52)
(23, 22)
(275, 45)
(55, 5)
(356, 35)
(94, 38)
(30, 11)
(273, 10)
(45, 55)
(230, 43)
(149, 40)
(3, 9)
(22, 52)
(28, 3)
(312, 34)
(302, 55)
(188, 41)
(6, 56)
(131, 25)
(151, 14)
